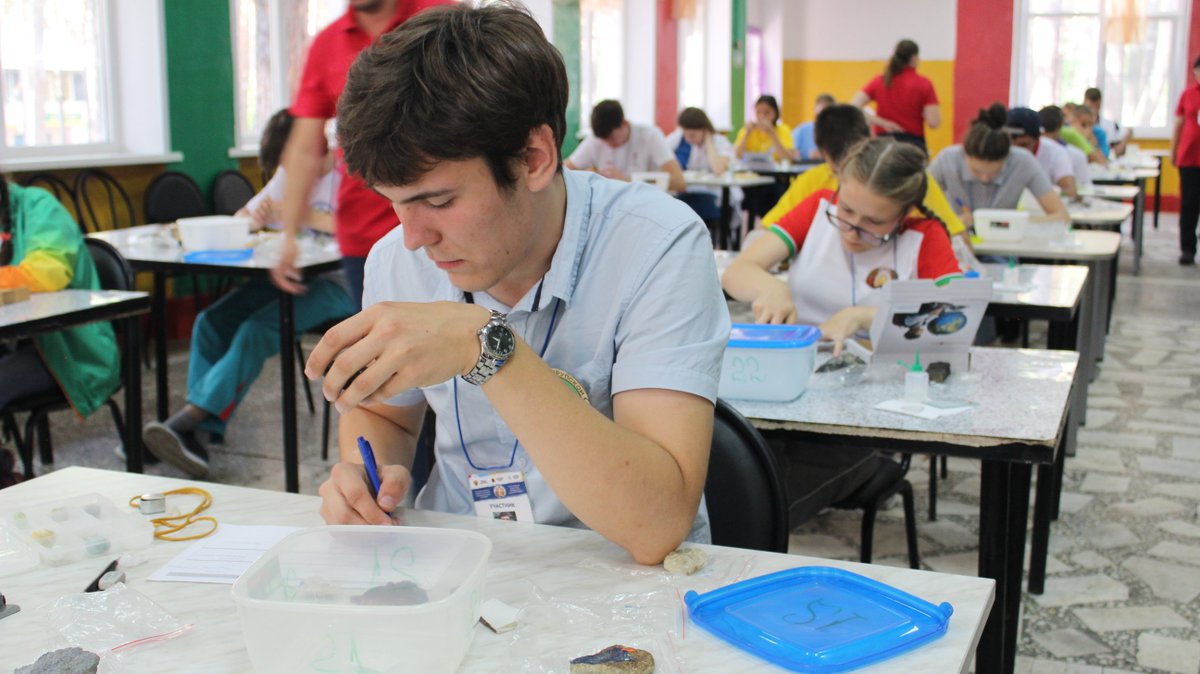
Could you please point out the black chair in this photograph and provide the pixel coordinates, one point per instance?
(114, 274)
(61, 191)
(96, 189)
(887, 481)
(230, 191)
(173, 195)
(745, 494)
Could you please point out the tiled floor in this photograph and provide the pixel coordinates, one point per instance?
(1124, 572)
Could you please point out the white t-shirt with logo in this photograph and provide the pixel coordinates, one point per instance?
(646, 150)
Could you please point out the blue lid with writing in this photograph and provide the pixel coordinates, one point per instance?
(755, 336)
(818, 618)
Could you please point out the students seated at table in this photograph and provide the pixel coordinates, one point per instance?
(1093, 98)
(1025, 128)
(1083, 120)
(844, 246)
(802, 137)
(766, 133)
(1051, 120)
(42, 250)
(987, 172)
(905, 102)
(1072, 136)
(237, 334)
(838, 128)
(562, 326)
(618, 148)
(698, 147)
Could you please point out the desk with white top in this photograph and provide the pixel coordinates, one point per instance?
(561, 563)
(152, 248)
(1021, 416)
(726, 181)
(49, 312)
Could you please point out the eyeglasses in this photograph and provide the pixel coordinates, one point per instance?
(866, 236)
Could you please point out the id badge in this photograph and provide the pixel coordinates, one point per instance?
(501, 496)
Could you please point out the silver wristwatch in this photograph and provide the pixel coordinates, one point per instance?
(496, 346)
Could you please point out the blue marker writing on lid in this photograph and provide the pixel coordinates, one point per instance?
(368, 457)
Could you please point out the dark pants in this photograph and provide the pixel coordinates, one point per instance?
(1189, 209)
(353, 268)
(918, 141)
(23, 374)
(759, 200)
(817, 476)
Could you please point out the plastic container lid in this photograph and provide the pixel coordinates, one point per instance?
(755, 336)
(818, 619)
(218, 256)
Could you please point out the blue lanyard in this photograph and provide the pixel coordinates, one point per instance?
(454, 383)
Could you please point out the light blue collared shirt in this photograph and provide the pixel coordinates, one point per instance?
(638, 304)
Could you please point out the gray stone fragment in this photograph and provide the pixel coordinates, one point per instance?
(72, 660)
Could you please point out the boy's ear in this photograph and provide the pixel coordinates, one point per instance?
(541, 158)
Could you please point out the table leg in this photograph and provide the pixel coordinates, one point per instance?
(158, 316)
(1139, 222)
(1067, 336)
(1045, 509)
(133, 396)
(287, 372)
(726, 220)
(1158, 191)
(1004, 506)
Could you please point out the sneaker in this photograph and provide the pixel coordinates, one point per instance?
(1187, 260)
(181, 450)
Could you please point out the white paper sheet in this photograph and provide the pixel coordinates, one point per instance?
(222, 557)
(925, 412)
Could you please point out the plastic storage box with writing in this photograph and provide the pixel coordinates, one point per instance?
(68, 530)
(771, 363)
(998, 224)
(363, 598)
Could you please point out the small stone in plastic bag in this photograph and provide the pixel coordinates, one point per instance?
(685, 560)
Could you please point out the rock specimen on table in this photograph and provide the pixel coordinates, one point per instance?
(938, 372)
(614, 660)
(845, 360)
(405, 593)
(685, 560)
(72, 660)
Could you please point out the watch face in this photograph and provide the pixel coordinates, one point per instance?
(500, 342)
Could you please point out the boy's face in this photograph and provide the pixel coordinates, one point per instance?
(1026, 141)
(470, 228)
(619, 136)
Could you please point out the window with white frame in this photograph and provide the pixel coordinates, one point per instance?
(270, 41)
(692, 59)
(55, 86)
(601, 54)
(1131, 49)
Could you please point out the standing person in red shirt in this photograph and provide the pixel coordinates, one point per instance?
(1185, 154)
(362, 216)
(905, 102)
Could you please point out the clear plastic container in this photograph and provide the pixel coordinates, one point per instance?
(364, 598)
(215, 232)
(770, 363)
(997, 224)
(68, 530)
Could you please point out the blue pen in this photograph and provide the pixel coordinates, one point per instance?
(368, 457)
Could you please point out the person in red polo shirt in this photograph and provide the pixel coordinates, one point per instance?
(905, 102)
(1185, 154)
(362, 217)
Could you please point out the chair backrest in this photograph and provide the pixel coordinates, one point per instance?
(103, 203)
(173, 195)
(61, 191)
(114, 272)
(745, 493)
(230, 191)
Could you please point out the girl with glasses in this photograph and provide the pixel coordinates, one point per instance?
(845, 246)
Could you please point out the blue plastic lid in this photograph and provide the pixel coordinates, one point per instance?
(755, 336)
(219, 256)
(818, 619)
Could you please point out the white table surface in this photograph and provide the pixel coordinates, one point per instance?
(567, 564)
(1088, 245)
(742, 179)
(1124, 174)
(156, 243)
(1046, 285)
(46, 305)
(1019, 396)
(1109, 191)
(1099, 211)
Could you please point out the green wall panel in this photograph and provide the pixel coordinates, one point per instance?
(737, 79)
(567, 39)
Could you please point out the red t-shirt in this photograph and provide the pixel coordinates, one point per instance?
(904, 101)
(935, 258)
(1189, 135)
(362, 217)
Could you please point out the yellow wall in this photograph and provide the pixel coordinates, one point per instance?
(1170, 174)
(803, 81)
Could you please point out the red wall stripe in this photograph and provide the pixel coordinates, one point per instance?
(666, 82)
(1194, 35)
(982, 58)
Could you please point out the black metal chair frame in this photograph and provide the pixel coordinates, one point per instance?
(221, 186)
(770, 492)
(59, 188)
(115, 195)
